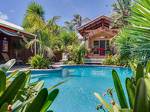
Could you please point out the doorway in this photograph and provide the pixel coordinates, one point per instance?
(102, 46)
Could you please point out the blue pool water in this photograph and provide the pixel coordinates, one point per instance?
(76, 95)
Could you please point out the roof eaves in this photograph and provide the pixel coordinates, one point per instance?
(90, 22)
(17, 29)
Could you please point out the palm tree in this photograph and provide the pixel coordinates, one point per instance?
(140, 27)
(122, 9)
(70, 26)
(52, 26)
(34, 22)
(34, 18)
(138, 31)
(77, 20)
(74, 23)
(67, 38)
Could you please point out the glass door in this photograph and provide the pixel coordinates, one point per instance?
(102, 47)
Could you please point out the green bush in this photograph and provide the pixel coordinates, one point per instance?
(115, 60)
(39, 62)
(19, 94)
(76, 54)
(70, 62)
(109, 61)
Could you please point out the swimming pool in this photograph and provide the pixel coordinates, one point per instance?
(76, 95)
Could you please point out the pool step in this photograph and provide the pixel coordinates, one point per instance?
(93, 61)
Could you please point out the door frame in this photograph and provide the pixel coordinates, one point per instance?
(99, 41)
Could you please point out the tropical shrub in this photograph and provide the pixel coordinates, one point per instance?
(39, 62)
(114, 60)
(109, 61)
(67, 38)
(70, 62)
(18, 94)
(76, 54)
(79, 54)
(138, 91)
(133, 41)
(124, 46)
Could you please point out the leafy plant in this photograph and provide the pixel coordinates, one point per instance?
(122, 10)
(34, 17)
(76, 54)
(124, 45)
(46, 31)
(7, 66)
(18, 94)
(109, 61)
(114, 60)
(119, 90)
(10, 92)
(66, 39)
(39, 62)
(137, 88)
(133, 40)
(42, 101)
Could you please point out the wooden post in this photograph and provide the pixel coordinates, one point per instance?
(35, 46)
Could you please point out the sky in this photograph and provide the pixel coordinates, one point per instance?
(14, 10)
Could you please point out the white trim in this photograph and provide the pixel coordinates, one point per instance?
(11, 24)
(14, 27)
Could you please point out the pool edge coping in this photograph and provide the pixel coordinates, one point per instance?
(60, 67)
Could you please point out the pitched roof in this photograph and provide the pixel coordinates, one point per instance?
(94, 21)
(9, 24)
(13, 26)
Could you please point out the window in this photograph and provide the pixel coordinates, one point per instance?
(96, 45)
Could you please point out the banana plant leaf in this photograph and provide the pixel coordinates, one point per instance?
(8, 65)
(51, 97)
(4, 107)
(139, 72)
(148, 67)
(10, 93)
(125, 110)
(13, 74)
(131, 92)
(147, 82)
(38, 102)
(119, 90)
(141, 99)
(2, 82)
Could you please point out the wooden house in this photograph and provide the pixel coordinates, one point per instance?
(13, 39)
